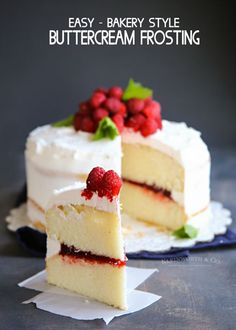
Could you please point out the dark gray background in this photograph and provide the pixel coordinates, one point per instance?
(40, 84)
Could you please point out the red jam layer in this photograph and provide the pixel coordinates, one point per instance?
(71, 251)
(153, 188)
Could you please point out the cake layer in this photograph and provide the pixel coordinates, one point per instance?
(177, 140)
(87, 229)
(147, 165)
(145, 204)
(103, 282)
(63, 149)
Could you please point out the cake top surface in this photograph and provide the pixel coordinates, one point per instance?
(175, 139)
(60, 148)
(67, 140)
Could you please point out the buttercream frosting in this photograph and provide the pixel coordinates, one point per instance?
(72, 195)
(64, 150)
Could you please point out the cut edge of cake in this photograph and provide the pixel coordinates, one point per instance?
(166, 177)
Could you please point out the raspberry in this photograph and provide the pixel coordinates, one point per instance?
(97, 99)
(100, 113)
(88, 125)
(84, 108)
(152, 110)
(95, 178)
(135, 105)
(87, 194)
(112, 104)
(149, 127)
(104, 183)
(116, 92)
(135, 121)
(77, 121)
(119, 121)
(123, 110)
(110, 185)
(148, 100)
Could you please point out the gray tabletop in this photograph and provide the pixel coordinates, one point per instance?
(198, 293)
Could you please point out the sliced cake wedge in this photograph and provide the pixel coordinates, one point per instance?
(85, 251)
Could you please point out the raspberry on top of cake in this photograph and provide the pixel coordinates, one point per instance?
(132, 107)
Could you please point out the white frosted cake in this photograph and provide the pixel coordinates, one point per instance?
(165, 166)
(85, 251)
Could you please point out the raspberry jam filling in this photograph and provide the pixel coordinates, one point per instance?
(71, 251)
(166, 193)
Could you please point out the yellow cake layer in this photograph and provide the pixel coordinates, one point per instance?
(147, 165)
(87, 229)
(102, 282)
(146, 205)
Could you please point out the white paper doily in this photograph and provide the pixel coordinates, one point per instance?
(140, 236)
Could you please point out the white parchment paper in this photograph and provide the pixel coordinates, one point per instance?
(62, 302)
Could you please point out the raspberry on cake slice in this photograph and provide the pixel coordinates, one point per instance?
(85, 251)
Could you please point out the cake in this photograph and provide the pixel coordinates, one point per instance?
(85, 252)
(165, 166)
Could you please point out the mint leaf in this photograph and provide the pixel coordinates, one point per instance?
(64, 122)
(187, 231)
(106, 129)
(136, 90)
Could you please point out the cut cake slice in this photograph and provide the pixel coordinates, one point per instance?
(85, 251)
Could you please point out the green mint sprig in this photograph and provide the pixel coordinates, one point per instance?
(187, 231)
(136, 90)
(64, 122)
(106, 129)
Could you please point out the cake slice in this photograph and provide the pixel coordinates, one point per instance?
(85, 251)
